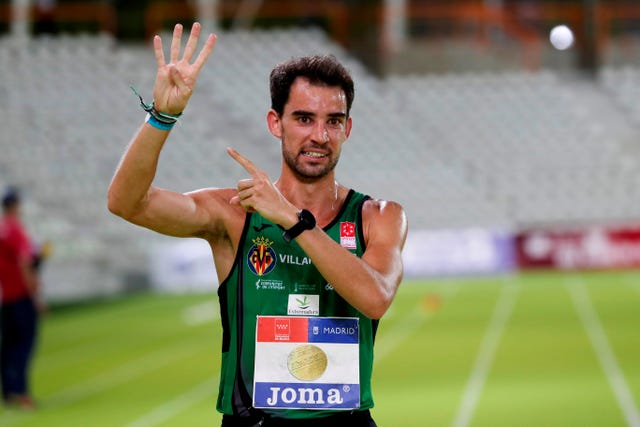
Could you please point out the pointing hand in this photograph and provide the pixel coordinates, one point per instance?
(259, 194)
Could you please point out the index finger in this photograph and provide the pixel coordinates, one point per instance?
(244, 162)
(157, 48)
(205, 51)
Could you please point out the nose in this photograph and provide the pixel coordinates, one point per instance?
(322, 134)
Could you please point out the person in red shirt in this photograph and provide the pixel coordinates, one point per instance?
(19, 301)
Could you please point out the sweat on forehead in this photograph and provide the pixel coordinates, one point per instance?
(318, 69)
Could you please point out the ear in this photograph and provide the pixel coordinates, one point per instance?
(347, 129)
(274, 123)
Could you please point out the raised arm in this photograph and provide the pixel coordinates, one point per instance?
(131, 194)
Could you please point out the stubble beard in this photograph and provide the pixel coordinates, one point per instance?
(308, 173)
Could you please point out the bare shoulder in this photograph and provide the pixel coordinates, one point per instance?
(384, 219)
(382, 207)
(208, 196)
(224, 217)
(374, 209)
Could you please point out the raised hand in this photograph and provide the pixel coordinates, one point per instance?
(259, 194)
(176, 79)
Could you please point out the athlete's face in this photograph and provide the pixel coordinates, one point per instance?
(312, 128)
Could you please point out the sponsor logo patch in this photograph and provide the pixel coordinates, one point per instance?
(261, 258)
(270, 285)
(348, 235)
(303, 305)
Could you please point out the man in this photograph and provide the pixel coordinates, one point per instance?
(19, 286)
(304, 262)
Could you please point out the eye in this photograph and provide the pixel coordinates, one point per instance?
(334, 122)
(304, 119)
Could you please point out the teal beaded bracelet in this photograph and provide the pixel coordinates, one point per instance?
(155, 118)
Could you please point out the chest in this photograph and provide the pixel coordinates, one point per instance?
(280, 279)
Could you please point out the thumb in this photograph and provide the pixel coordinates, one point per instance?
(235, 200)
(177, 79)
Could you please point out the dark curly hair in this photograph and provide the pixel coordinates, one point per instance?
(319, 69)
(10, 198)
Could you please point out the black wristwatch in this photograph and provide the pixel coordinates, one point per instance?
(306, 221)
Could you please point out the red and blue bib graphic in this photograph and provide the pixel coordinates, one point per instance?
(307, 363)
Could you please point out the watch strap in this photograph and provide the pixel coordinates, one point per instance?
(306, 221)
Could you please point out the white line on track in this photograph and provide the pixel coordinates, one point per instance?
(121, 375)
(603, 350)
(167, 410)
(194, 315)
(414, 319)
(393, 337)
(201, 313)
(486, 354)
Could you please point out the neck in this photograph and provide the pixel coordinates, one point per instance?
(323, 197)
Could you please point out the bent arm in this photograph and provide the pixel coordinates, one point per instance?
(369, 283)
(132, 196)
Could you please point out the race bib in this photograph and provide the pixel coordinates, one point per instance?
(307, 363)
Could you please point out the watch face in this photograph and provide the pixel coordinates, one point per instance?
(308, 219)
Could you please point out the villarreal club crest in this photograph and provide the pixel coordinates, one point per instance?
(261, 257)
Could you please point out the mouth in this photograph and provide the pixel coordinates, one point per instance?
(314, 154)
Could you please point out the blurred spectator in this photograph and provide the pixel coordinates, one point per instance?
(19, 286)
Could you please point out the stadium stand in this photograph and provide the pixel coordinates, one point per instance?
(502, 149)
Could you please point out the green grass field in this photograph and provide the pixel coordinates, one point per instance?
(543, 349)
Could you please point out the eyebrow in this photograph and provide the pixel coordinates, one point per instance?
(301, 113)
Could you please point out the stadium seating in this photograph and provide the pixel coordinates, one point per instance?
(498, 150)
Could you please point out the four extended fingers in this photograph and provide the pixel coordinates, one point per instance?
(190, 47)
(202, 57)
